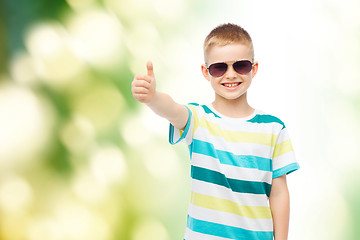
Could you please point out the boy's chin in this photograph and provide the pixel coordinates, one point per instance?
(231, 98)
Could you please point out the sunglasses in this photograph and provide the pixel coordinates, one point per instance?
(219, 69)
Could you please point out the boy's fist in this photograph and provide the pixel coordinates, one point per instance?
(143, 87)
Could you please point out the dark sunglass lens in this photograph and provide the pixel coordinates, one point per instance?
(242, 67)
(217, 69)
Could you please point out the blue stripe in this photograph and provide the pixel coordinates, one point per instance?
(264, 118)
(228, 158)
(286, 170)
(190, 147)
(208, 111)
(218, 178)
(224, 231)
(194, 104)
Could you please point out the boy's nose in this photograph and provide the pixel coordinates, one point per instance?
(230, 72)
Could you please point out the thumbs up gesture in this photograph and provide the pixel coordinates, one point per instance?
(143, 87)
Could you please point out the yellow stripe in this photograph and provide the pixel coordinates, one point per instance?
(195, 117)
(228, 206)
(181, 132)
(239, 136)
(282, 148)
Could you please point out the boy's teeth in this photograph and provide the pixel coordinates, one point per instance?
(231, 84)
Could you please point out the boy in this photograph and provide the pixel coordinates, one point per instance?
(239, 155)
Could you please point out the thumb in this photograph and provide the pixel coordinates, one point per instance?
(150, 69)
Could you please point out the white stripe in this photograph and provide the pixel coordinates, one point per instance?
(234, 172)
(246, 199)
(176, 135)
(219, 143)
(230, 219)
(283, 160)
(191, 235)
(189, 135)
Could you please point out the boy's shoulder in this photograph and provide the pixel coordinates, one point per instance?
(203, 108)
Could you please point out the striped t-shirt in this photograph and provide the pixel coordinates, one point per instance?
(233, 162)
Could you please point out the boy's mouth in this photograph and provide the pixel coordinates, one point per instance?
(231, 84)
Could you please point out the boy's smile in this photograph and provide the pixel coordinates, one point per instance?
(231, 86)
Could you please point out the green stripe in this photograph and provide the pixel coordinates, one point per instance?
(264, 118)
(241, 186)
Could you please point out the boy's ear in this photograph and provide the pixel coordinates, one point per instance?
(255, 69)
(205, 72)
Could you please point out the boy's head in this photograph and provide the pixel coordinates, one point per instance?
(229, 62)
(226, 34)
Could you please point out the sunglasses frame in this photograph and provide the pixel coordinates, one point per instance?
(232, 65)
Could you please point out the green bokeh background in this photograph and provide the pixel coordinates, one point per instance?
(80, 159)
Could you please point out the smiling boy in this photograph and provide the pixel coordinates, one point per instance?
(240, 156)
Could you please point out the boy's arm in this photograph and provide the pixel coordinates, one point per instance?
(280, 207)
(144, 90)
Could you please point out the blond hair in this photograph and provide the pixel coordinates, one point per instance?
(226, 34)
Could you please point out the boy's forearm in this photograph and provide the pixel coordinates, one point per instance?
(280, 208)
(163, 105)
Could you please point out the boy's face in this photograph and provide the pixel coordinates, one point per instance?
(231, 85)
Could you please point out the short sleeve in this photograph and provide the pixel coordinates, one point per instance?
(177, 135)
(283, 161)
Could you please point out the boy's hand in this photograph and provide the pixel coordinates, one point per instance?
(143, 87)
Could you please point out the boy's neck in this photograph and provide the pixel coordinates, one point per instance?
(236, 108)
